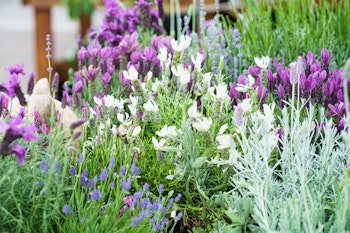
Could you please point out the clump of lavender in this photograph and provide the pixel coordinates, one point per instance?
(223, 43)
(15, 129)
(310, 79)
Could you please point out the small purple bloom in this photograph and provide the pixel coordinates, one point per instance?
(84, 177)
(136, 221)
(95, 195)
(161, 188)
(104, 174)
(326, 56)
(72, 171)
(58, 166)
(78, 87)
(112, 185)
(126, 184)
(43, 166)
(146, 186)
(135, 170)
(81, 158)
(122, 170)
(105, 78)
(280, 91)
(111, 163)
(20, 152)
(17, 69)
(66, 209)
(82, 54)
(178, 197)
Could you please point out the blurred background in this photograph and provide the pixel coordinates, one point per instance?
(17, 35)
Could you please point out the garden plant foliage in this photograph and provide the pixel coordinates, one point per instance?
(239, 130)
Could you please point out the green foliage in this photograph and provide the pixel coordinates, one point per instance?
(289, 28)
(77, 8)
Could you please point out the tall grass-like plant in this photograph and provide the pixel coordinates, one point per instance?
(288, 28)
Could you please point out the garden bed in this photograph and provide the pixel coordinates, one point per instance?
(244, 129)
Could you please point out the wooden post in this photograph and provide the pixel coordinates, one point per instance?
(42, 28)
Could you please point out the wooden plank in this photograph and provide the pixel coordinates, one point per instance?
(42, 28)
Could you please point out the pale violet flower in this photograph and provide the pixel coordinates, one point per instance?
(135, 131)
(183, 74)
(134, 100)
(225, 141)
(181, 45)
(97, 101)
(246, 105)
(197, 61)
(245, 88)
(207, 77)
(151, 106)
(202, 124)
(158, 145)
(124, 118)
(192, 111)
(109, 101)
(156, 85)
(132, 74)
(162, 56)
(167, 131)
(219, 92)
(223, 129)
(262, 62)
(132, 109)
(296, 68)
(119, 103)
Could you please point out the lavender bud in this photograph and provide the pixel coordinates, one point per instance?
(55, 82)
(31, 84)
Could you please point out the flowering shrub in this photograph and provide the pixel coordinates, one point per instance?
(175, 139)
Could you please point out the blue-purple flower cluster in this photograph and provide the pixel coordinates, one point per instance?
(141, 204)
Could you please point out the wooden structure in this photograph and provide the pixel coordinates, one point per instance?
(42, 12)
(42, 15)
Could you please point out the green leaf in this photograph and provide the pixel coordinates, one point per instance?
(199, 162)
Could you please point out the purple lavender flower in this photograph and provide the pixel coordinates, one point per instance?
(135, 170)
(178, 197)
(58, 166)
(112, 185)
(178, 217)
(337, 109)
(104, 174)
(14, 129)
(136, 221)
(111, 163)
(126, 184)
(12, 88)
(43, 166)
(122, 170)
(20, 152)
(95, 195)
(66, 209)
(92, 182)
(81, 158)
(157, 226)
(72, 171)
(17, 69)
(30, 86)
(326, 56)
(161, 188)
(78, 123)
(280, 91)
(84, 177)
(78, 87)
